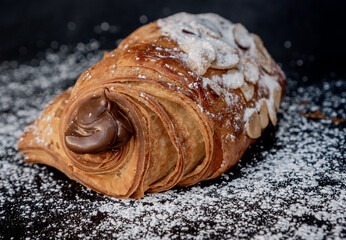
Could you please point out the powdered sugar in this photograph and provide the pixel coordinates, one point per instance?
(248, 113)
(250, 71)
(233, 79)
(210, 41)
(217, 84)
(199, 60)
(270, 83)
(289, 184)
(242, 36)
(201, 38)
(226, 57)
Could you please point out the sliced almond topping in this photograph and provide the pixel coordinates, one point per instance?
(242, 36)
(225, 56)
(263, 113)
(190, 31)
(185, 48)
(253, 126)
(262, 55)
(233, 79)
(247, 89)
(277, 97)
(200, 54)
(250, 70)
(272, 113)
(205, 29)
(273, 118)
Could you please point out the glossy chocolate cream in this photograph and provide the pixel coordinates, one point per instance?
(99, 125)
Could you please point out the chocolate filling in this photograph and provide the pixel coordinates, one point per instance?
(99, 125)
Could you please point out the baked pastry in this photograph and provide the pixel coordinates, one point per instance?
(178, 102)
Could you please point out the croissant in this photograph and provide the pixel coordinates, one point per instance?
(178, 102)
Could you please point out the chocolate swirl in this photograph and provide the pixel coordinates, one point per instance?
(99, 125)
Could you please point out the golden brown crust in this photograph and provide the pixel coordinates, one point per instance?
(185, 130)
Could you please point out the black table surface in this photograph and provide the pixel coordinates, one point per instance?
(289, 184)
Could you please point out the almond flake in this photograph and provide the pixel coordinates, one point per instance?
(242, 36)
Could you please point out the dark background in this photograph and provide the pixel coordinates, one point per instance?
(306, 36)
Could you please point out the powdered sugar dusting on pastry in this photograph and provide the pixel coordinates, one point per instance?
(233, 79)
(248, 113)
(200, 54)
(210, 35)
(212, 42)
(226, 57)
(216, 83)
(250, 71)
(241, 36)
